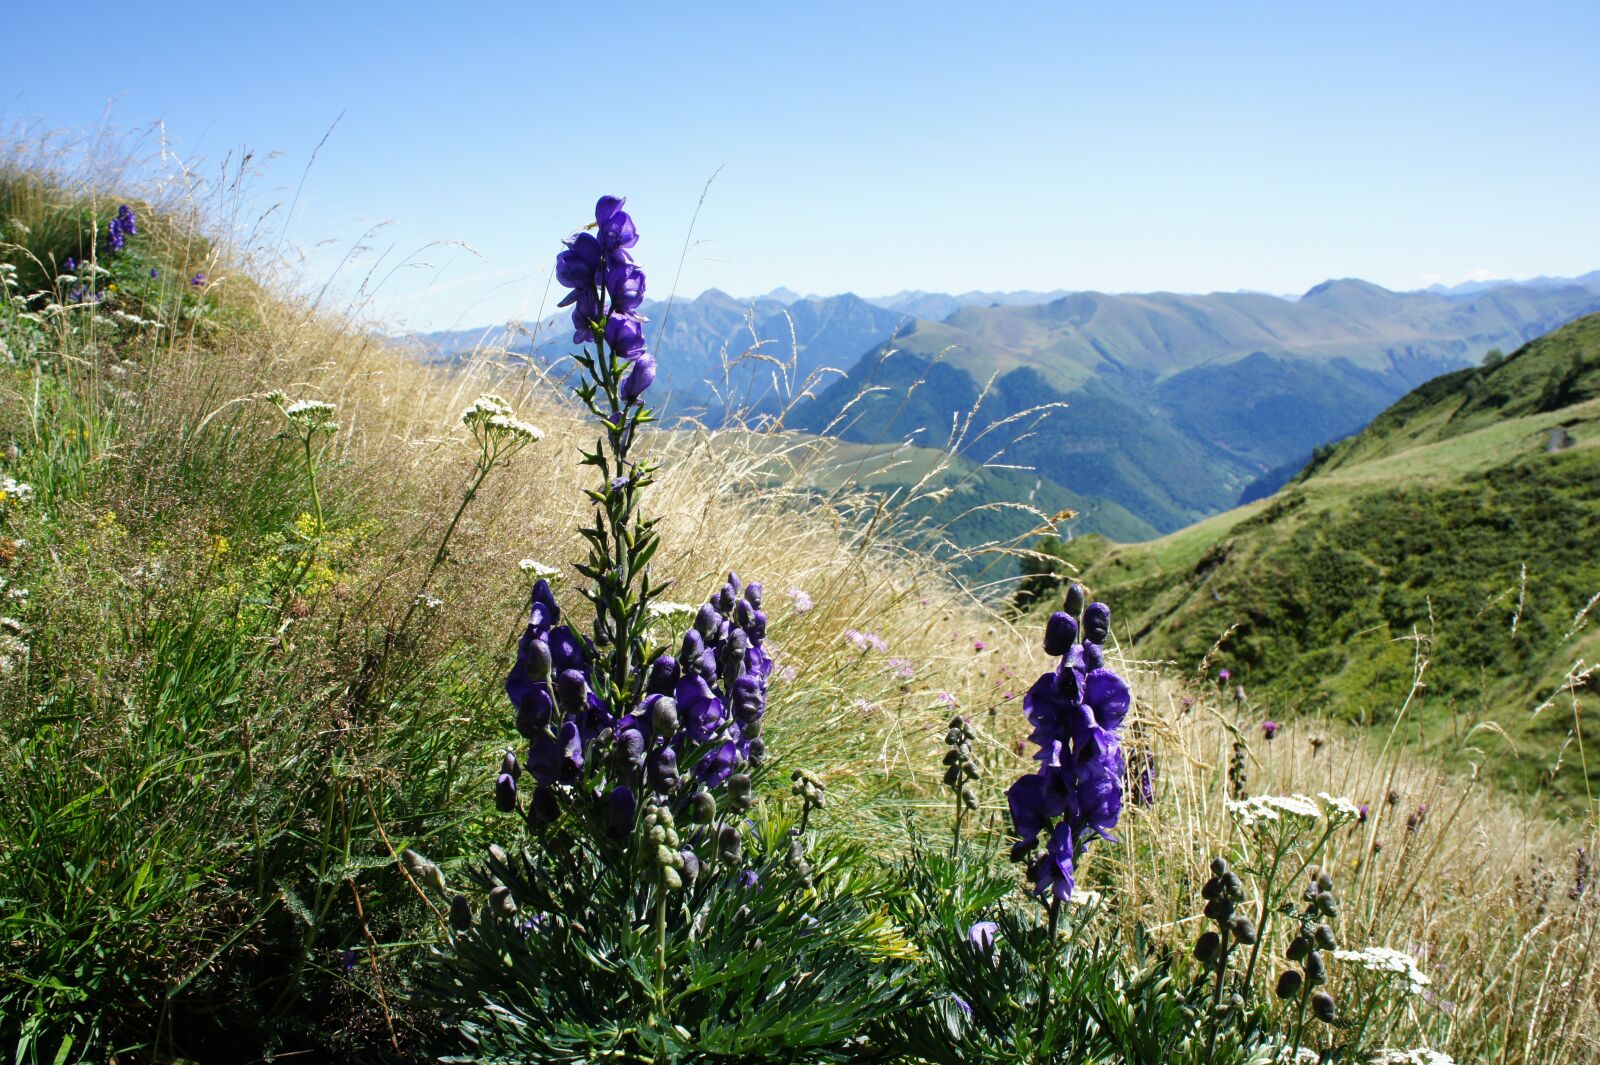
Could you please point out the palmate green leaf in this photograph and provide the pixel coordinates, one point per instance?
(763, 972)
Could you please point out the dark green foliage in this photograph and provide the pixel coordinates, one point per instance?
(772, 971)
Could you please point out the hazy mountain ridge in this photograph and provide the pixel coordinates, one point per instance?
(1465, 514)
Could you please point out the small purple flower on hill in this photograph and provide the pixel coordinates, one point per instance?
(1269, 729)
(123, 226)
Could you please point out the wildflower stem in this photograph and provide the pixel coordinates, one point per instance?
(1264, 921)
(484, 465)
(1047, 971)
(1300, 1021)
(1216, 994)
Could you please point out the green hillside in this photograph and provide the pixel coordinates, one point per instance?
(1463, 524)
(1173, 404)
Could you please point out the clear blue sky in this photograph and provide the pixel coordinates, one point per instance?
(873, 146)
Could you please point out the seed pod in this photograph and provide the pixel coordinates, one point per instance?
(1060, 633)
(1207, 947)
(1325, 938)
(1322, 1005)
(1289, 984)
(460, 913)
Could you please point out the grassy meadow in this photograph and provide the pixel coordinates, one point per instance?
(243, 674)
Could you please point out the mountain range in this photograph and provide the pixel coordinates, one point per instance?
(1458, 533)
(1174, 405)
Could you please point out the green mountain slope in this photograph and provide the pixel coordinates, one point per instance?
(1462, 525)
(1175, 403)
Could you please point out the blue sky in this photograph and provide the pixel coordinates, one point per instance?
(870, 146)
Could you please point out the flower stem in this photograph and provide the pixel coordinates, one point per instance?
(1216, 994)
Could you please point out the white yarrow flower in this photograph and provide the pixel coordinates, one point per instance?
(1418, 1056)
(538, 569)
(1266, 809)
(1339, 809)
(1387, 961)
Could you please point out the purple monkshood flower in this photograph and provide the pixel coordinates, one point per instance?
(154, 273)
(982, 935)
(602, 277)
(198, 280)
(1075, 795)
(123, 226)
(70, 265)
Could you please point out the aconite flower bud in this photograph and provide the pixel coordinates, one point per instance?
(706, 624)
(969, 797)
(543, 809)
(703, 807)
(758, 751)
(539, 659)
(729, 846)
(742, 613)
(501, 902)
(1327, 903)
(691, 864)
(630, 747)
(1316, 971)
(505, 792)
(664, 717)
(752, 594)
(1207, 947)
(1289, 984)
(663, 677)
(1060, 633)
(1219, 866)
(1096, 623)
(498, 855)
(509, 766)
(423, 870)
(1322, 1005)
(1298, 947)
(1219, 909)
(739, 791)
(1324, 881)
(758, 626)
(1076, 597)
(1325, 938)
(1244, 930)
(460, 913)
(664, 770)
(620, 809)
(572, 691)
(1232, 886)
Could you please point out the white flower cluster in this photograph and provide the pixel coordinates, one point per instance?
(493, 415)
(15, 491)
(1262, 810)
(1419, 1056)
(306, 415)
(12, 644)
(1385, 960)
(1339, 809)
(668, 612)
(538, 569)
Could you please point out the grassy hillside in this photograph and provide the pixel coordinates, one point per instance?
(242, 675)
(1456, 539)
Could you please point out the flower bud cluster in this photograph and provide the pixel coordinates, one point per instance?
(1076, 710)
(1312, 941)
(961, 769)
(1223, 892)
(671, 863)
